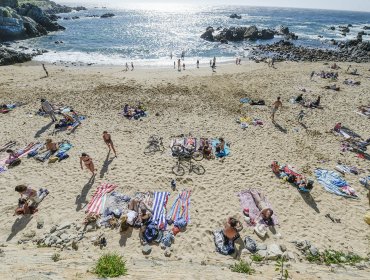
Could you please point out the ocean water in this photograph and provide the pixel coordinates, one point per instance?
(148, 35)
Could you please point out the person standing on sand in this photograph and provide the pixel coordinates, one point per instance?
(132, 66)
(210, 63)
(174, 64)
(277, 104)
(183, 66)
(171, 55)
(179, 64)
(126, 66)
(46, 71)
(198, 63)
(88, 163)
(108, 140)
(48, 109)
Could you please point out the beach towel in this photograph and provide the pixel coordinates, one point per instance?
(116, 204)
(247, 201)
(334, 183)
(97, 202)
(244, 100)
(180, 208)
(223, 153)
(159, 209)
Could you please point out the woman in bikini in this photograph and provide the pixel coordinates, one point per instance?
(232, 229)
(108, 140)
(88, 163)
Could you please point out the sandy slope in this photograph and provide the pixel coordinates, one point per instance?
(204, 104)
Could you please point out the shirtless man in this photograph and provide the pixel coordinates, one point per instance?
(108, 140)
(277, 104)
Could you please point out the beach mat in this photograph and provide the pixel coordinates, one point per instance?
(181, 207)
(97, 202)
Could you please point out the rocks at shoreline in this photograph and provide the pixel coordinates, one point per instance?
(350, 51)
(107, 15)
(235, 16)
(245, 33)
(9, 56)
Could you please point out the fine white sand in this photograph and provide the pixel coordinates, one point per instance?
(205, 104)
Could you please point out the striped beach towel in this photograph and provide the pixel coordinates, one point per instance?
(181, 207)
(96, 204)
(159, 209)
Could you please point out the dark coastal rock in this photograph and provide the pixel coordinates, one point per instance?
(208, 35)
(283, 30)
(251, 33)
(266, 34)
(9, 56)
(332, 27)
(366, 28)
(235, 16)
(350, 51)
(344, 29)
(33, 29)
(107, 15)
(237, 34)
(34, 12)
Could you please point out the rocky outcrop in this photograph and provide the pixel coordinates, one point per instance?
(9, 3)
(237, 34)
(34, 12)
(107, 15)
(350, 51)
(9, 56)
(284, 31)
(235, 16)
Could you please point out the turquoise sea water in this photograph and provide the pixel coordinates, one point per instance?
(147, 35)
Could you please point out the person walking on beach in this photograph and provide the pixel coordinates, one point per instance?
(210, 63)
(88, 163)
(108, 140)
(277, 104)
(171, 55)
(132, 66)
(126, 66)
(48, 109)
(183, 66)
(46, 71)
(240, 61)
(198, 63)
(300, 116)
(179, 64)
(174, 64)
(214, 61)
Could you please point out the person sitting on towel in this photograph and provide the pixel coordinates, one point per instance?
(299, 98)
(23, 208)
(220, 147)
(12, 156)
(232, 229)
(316, 103)
(68, 118)
(50, 146)
(338, 127)
(207, 150)
(28, 193)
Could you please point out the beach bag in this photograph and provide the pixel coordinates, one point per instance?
(250, 244)
(224, 248)
(150, 233)
(53, 159)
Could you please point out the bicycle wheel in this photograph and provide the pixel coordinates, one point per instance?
(198, 169)
(178, 170)
(151, 149)
(197, 156)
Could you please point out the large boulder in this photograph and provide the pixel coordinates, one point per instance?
(208, 35)
(33, 29)
(266, 34)
(11, 25)
(283, 30)
(8, 57)
(251, 33)
(9, 3)
(235, 16)
(34, 12)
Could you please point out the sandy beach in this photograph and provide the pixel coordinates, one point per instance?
(205, 104)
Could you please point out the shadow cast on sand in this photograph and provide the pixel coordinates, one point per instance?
(19, 225)
(105, 166)
(278, 126)
(307, 197)
(43, 129)
(125, 235)
(81, 198)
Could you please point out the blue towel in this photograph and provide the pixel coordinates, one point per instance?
(332, 182)
(223, 153)
(245, 100)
